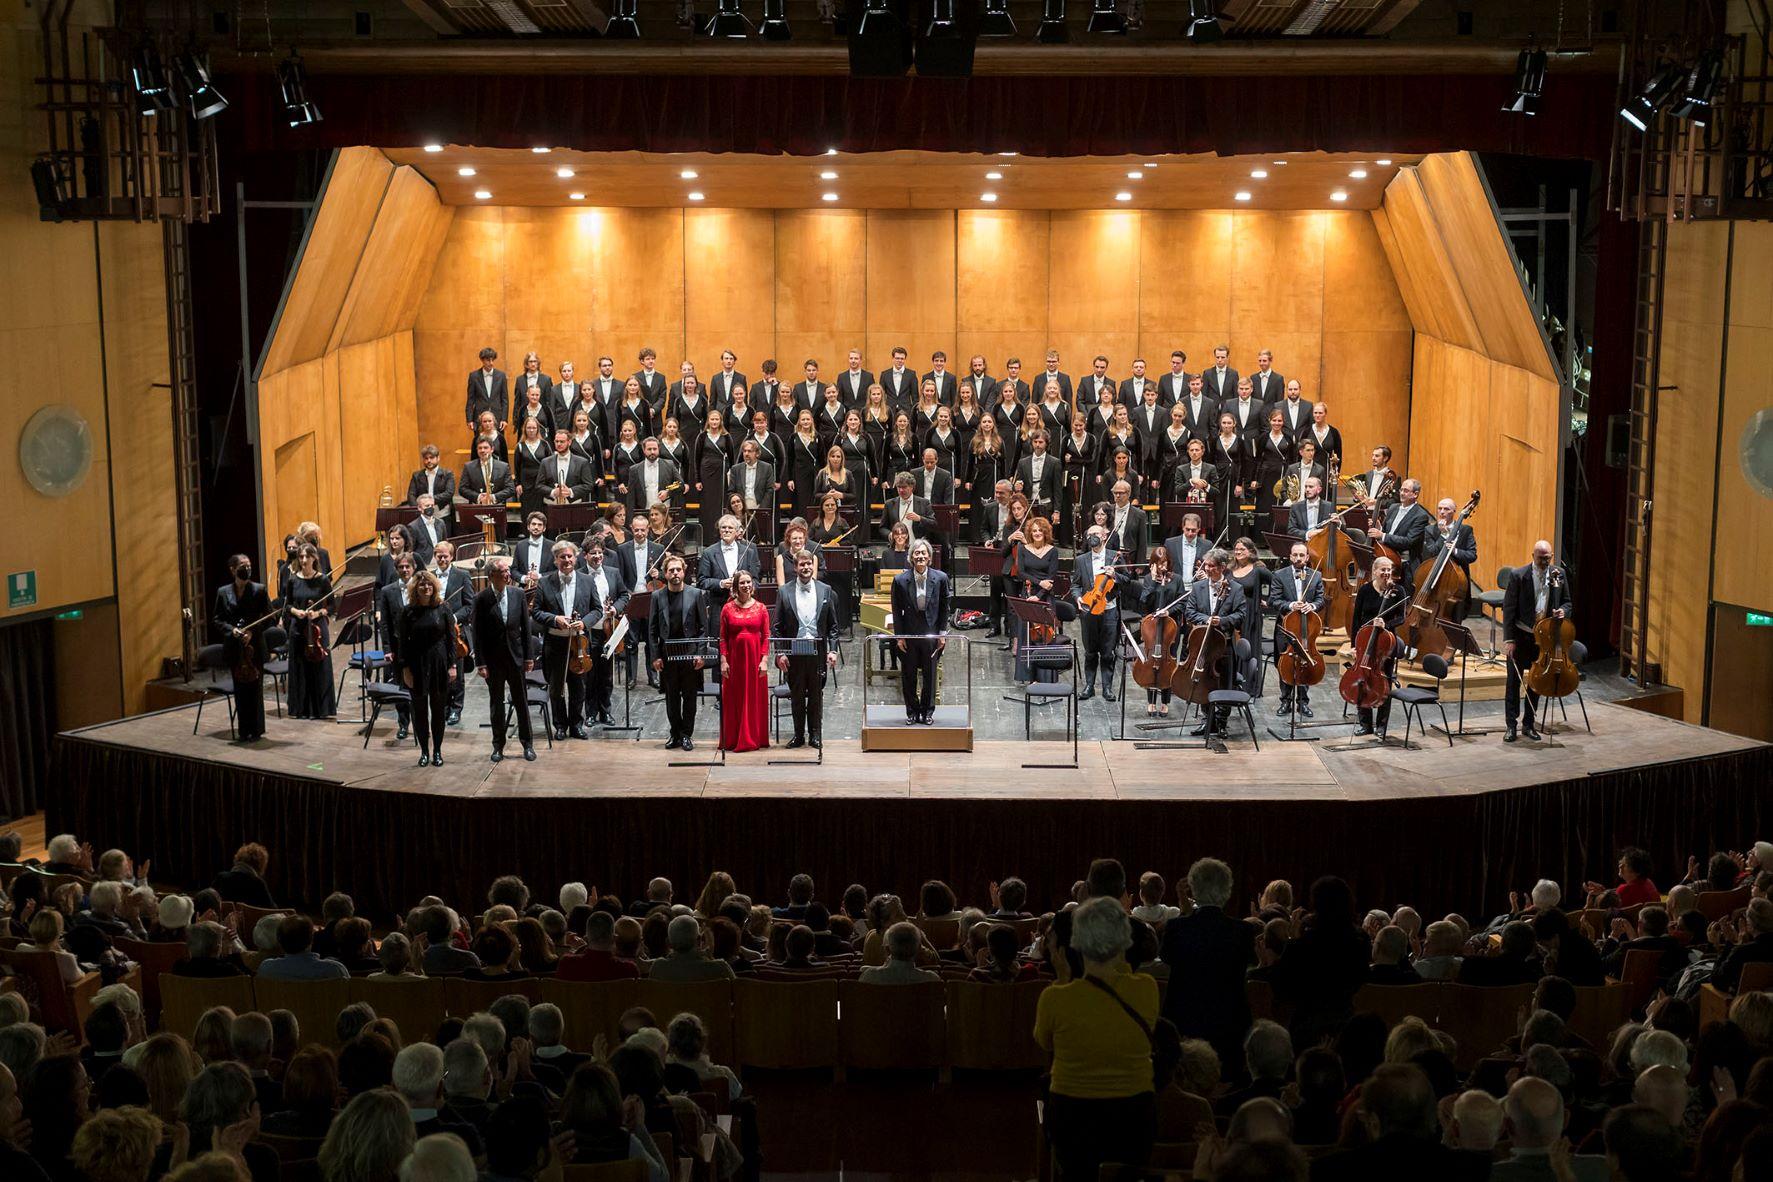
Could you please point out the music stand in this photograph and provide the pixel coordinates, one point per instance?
(1358, 519)
(574, 517)
(1172, 512)
(1278, 517)
(389, 516)
(985, 561)
(1281, 544)
(688, 648)
(1033, 612)
(1283, 638)
(470, 519)
(353, 608)
(841, 560)
(1466, 645)
(796, 647)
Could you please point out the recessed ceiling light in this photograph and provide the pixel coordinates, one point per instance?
(1281, 162)
(1383, 163)
(994, 176)
(1149, 164)
(563, 173)
(988, 196)
(688, 174)
(1339, 195)
(464, 171)
(1123, 195)
(540, 151)
(828, 196)
(1359, 174)
(696, 196)
(482, 194)
(576, 196)
(1135, 175)
(1009, 153)
(1259, 173)
(433, 147)
(830, 151)
(828, 175)
(1243, 194)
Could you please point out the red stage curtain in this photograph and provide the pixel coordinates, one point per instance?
(1068, 116)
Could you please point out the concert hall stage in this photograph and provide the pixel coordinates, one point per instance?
(1443, 827)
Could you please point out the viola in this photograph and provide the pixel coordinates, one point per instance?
(246, 661)
(314, 642)
(1301, 663)
(1097, 599)
(578, 652)
(1553, 673)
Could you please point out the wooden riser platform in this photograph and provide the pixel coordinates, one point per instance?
(885, 729)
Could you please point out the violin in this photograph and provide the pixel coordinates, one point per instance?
(1439, 591)
(1365, 683)
(1301, 663)
(578, 652)
(1156, 669)
(1553, 674)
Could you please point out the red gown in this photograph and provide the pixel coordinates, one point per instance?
(745, 710)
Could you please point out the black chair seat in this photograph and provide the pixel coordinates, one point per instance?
(219, 683)
(1491, 598)
(277, 668)
(1228, 698)
(384, 692)
(1415, 695)
(1048, 689)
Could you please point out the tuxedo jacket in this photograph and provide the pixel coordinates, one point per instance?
(854, 387)
(1172, 387)
(458, 593)
(900, 387)
(941, 483)
(1133, 396)
(1089, 392)
(498, 400)
(1463, 539)
(984, 389)
(426, 536)
(1047, 492)
(634, 564)
(1178, 483)
(389, 608)
(1038, 383)
(1520, 609)
(810, 394)
(668, 475)
(787, 617)
(578, 477)
(947, 385)
(1200, 607)
(473, 484)
(1084, 569)
(1405, 533)
(1221, 388)
(924, 528)
(1296, 516)
(908, 620)
(1132, 539)
(553, 612)
(1272, 390)
(444, 491)
(652, 386)
(711, 565)
(1295, 417)
(723, 384)
(1251, 417)
(1287, 587)
(506, 641)
(526, 557)
(763, 487)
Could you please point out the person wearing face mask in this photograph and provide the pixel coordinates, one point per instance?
(426, 530)
(240, 602)
(1101, 629)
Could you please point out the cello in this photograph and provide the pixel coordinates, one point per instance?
(1553, 673)
(1197, 674)
(1437, 593)
(1364, 683)
(1156, 668)
(1300, 663)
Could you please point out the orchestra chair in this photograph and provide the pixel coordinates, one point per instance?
(1055, 658)
(316, 1005)
(64, 1005)
(363, 660)
(1251, 674)
(1578, 657)
(781, 698)
(536, 699)
(783, 1026)
(991, 1026)
(277, 667)
(631, 1170)
(154, 959)
(383, 694)
(1490, 604)
(220, 684)
(1414, 698)
(892, 1027)
(1717, 904)
(184, 999)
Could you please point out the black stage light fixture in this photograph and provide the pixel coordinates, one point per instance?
(996, 21)
(1529, 83)
(624, 24)
(201, 95)
(880, 45)
(1703, 83)
(46, 178)
(1052, 29)
(729, 21)
(292, 82)
(1656, 94)
(1105, 17)
(1203, 22)
(147, 76)
(941, 20)
(775, 21)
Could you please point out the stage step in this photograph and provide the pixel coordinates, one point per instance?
(884, 729)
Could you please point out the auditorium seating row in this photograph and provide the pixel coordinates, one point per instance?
(834, 1024)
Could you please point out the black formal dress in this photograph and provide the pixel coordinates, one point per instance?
(1031, 569)
(311, 692)
(234, 609)
(713, 456)
(425, 649)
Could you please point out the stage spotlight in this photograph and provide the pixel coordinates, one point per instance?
(1529, 83)
(775, 21)
(996, 22)
(201, 95)
(1656, 93)
(292, 82)
(1105, 17)
(879, 46)
(147, 77)
(1203, 22)
(1052, 23)
(729, 21)
(941, 20)
(624, 24)
(1703, 83)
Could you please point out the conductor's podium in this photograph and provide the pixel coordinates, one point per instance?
(884, 727)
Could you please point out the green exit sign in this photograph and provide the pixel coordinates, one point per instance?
(1760, 620)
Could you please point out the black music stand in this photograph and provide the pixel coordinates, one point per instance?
(688, 648)
(841, 560)
(947, 524)
(793, 647)
(389, 516)
(1171, 513)
(1284, 638)
(1357, 520)
(574, 517)
(1466, 645)
(354, 609)
(1039, 612)
(469, 519)
(985, 561)
(1280, 544)
(633, 637)
(1278, 516)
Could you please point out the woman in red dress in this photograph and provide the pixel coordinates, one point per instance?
(744, 669)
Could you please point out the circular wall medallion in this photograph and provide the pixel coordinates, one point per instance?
(55, 450)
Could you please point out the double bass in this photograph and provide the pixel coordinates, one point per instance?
(1331, 558)
(1438, 592)
(1553, 673)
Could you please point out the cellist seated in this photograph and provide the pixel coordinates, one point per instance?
(1215, 603)
(1101, 629)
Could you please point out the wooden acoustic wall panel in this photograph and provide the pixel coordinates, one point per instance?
(1744, 551)
(1483, 262)
(729, 288)
(342, 225)
(463, 311)
(1186, 263)
(1093, 289)
(1439, 307)
(378, 444)
(1005, 316)
(303, 401)
(910, 289)
(1365, 374)
(1277, 295)
(395, 266)
(821, 287)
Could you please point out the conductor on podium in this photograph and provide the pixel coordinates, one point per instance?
(920, 616)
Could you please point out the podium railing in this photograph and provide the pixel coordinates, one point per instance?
(966, 644)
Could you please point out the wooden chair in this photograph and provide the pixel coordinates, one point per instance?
(589, 1008)
(183, 999)
(1637, 972)
(1755, 978)
(944, 933)
(1394, 1003)
(1482, 1017)
(154, 959)
(250, 916)
(1260, 995)
(711, 1001)
(416, 1005)
(1718, 904)
(632, 1170)
(1600, 1010)
(991, 1027)
(64, 1005)
(786, 1026)
(316, 1005)
(892, 1027)
(1714, 1005)
(462, 998)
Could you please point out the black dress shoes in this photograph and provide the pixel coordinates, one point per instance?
(401, 734)
(796, 741)
(579, 732)
(560, 734)
(437, 758)
(689, 744)
(497, 755)
(1200, 732)
(454, 719)
(1305, 709)
(604, 718)
(1531, 733)
(1363, 730)
(1508, 736)
(675, 744)
(529, 753)
(424, 759)
(1284, 709)
(815, 741)
(1089, 691)
(1107, 694)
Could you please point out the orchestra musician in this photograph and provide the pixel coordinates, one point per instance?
(1380, 483)
(427, 530)
(1402, 526)
(532, 555)
(1327, 438)
(1265, 384)
(637, 562)
(457, 591)
(993, 524)
(1187, 549)
(920, 601)
(754, 480)
(1541, 588)
(240, 602)
(806, 616)
(1197, 481)
(1037, 475)
(717, 564)
(912, 511)
(564, 604)
(502, 632)
(609, 600)
(1217, 602)
(432, 479)
(425, 658)
(399, 546)
(1101, 630)
(526, 464)
(1308, 514)
(1303, 468)
(1173, 385)
(486, 480)
(311, 692)
(1128, 525)
(488, 392)
(391, 603)
(1221, 380)
(679, 613)
(652, 382)
(1295, 587)
(1379, 594)
(653, 481)
(1448, 532)
(935, 481)
(1157, 589)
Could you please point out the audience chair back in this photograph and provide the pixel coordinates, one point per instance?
(183, 1000)
(892, 1027)
(711, 1001)
(415, 1004)
(944, 933)
(1600, 1010)
(64, 1005)
(991, 1027)
(462, 997)
(1639, 976)
(1396, 1002)
(1718, 904)
(632, 1170)
(154, 959)
(590, 1008)
(1756, 977)
(316, 1005)
(786, 1026)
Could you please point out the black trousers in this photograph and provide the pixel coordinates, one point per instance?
(458, 689)
(1526, 651)
(566, 693)
(430, 699)
(601, 680)
(806, 695)
(1297, 695)
(681, 682)
(917, 675)
(1101, 639)
(506, 677)
(249, 708)
(1377, 718)
(1086, 1133)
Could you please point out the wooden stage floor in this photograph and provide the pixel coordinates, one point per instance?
(1335, 768)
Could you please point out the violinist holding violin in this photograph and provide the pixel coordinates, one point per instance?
(239, 603)
(1218, 603)
(305, 611)
(1294, 588)
(1379, 595)
(1536, 590)
(1101, 629)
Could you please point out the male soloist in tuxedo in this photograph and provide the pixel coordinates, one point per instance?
(679, 614)
(806, 617)
(502, 633)
(1540, 588)
(920, 618)
(433, 479)
(1101, 631)
(1295, 587)
(565, 608)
